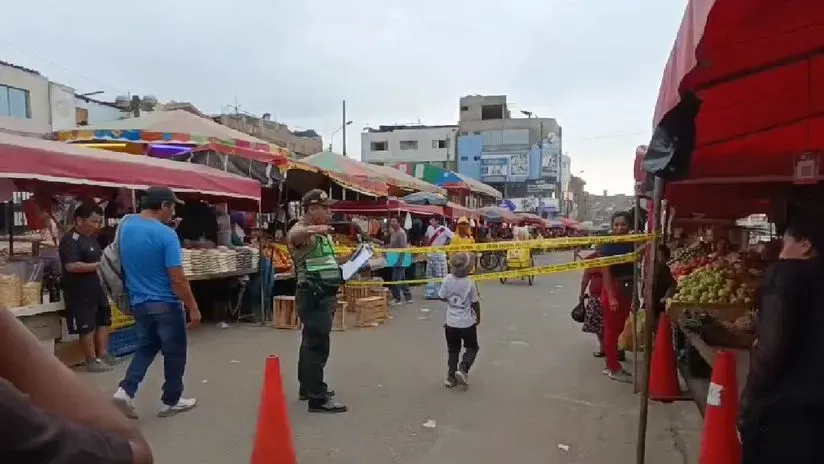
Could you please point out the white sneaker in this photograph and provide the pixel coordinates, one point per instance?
(124, 403)
(395, 303)
(183, 405)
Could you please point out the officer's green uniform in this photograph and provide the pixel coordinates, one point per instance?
(318, 279)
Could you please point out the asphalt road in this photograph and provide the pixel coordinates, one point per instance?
(537, 395)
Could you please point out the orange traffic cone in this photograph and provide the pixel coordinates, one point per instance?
(273, 438)
(663, 379)
(719, 439)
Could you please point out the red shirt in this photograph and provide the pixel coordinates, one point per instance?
(596, 280)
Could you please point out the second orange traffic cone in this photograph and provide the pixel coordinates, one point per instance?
(663, 380)
(719, 438)
(273, 437)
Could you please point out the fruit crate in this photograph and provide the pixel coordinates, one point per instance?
(721, 311)
(123, 341)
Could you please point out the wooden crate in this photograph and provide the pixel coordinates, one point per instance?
(380, 291)
(371, 311)
(352, 293)
(721, 311)
(286, 313)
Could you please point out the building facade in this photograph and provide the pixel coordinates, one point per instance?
(388, 145)
(25, 107)
(517, 156)
(301, 143)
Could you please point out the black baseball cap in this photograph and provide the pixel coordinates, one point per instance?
(161, 194)
(317, 197)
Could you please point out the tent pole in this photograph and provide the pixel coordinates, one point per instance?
(636, 280)
(649, 320)
(260, 264)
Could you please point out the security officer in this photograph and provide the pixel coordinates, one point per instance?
(318, 279)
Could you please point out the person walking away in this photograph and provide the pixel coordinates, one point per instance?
(590, 298)
(399, 262)
(87, 306)
(436, 267)
(160, 299)
(318, 279)
(616, 296)
(782, 406)
(463, 314)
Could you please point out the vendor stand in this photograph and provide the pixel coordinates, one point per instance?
(716, 126)
(47, 167)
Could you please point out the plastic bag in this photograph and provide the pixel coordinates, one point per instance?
(578, 313)
(625, 339)
(32, 285)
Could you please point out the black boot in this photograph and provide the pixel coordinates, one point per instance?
(326, 406)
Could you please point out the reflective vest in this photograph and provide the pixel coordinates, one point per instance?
(319, 257)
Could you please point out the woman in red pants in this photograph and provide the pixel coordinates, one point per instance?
(616, 296)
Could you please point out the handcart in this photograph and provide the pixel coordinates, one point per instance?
(519, 258)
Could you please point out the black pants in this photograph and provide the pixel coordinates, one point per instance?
(467, 337)
(316, 312)
(781, 433)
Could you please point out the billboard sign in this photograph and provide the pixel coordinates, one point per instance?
(551, 156)
(494, 168)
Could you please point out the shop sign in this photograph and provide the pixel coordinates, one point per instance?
(806, 168)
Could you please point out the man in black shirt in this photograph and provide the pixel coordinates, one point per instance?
(87, 306)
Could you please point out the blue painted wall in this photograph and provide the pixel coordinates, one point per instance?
(535, 163)
(469, 155)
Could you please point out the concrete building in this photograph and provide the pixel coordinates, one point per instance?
(518, 156)
(90, 111)
(301, 143)
(25, 107)
(576, 207)
(410, 144)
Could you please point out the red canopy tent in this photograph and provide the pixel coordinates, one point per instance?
(456, 211)
(757, 68)
(25, 158)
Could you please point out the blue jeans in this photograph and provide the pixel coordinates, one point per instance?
(161, 327)
(398, 274)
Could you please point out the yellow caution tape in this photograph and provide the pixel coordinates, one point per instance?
(547, 243)
(518, 273)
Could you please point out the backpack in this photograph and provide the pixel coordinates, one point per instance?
(111, 274)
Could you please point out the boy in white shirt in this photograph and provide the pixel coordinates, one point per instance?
(463, 314)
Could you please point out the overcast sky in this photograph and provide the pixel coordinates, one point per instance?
(594, 65)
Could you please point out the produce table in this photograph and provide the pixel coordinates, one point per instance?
(695, 363)
(222, 275)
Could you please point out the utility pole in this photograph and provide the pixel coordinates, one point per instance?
(344, 128)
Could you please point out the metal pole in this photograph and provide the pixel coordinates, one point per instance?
(636, 280)
(344, 128)
(649, 305)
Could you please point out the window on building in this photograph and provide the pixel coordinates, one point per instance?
(464, 108)
(464, 158)
(492, 112)
(379, 146)
(439, 144)
(409, 144)
(14, 102)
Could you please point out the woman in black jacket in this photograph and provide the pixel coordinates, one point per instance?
(782, 406)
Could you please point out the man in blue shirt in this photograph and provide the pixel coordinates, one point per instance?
(160, 297)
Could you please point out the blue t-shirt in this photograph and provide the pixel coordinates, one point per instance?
(148, 248)
(616, 249)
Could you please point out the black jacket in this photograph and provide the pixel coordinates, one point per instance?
(787, 358)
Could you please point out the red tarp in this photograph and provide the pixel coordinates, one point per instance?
(378, 208)
(530, 218)
(758, 68)
(44, 160)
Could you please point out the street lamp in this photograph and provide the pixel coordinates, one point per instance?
(348, 123)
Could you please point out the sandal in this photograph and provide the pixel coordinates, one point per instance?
(598, 354)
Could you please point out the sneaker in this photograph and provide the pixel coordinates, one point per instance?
(462, 378)
(97, 366)
(606, 372)
(450, 382)
(183, 405)
(409, 301)
(112, 360)
(395, 303)
(125, 403)
(621, 376)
